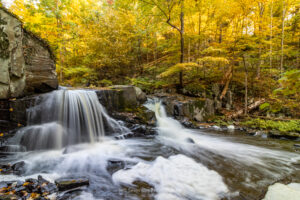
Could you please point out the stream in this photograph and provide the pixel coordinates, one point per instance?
(69, 134)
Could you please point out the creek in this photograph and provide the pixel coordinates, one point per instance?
(70, 134)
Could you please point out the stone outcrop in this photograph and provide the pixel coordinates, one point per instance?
(13, 112)
(182, 107)
(27, 64)
(121, 97)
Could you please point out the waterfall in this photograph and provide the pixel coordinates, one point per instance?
(66, 117)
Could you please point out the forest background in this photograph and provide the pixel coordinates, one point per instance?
(250, 47)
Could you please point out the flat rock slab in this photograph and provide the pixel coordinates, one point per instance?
(297, 145)
(69, 183)
(9, 197)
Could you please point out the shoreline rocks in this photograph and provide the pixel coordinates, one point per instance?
(40, 188)
(16, 168)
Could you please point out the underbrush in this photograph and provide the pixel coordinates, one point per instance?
(282, 126)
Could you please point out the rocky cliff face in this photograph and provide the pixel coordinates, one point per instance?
(27, 64)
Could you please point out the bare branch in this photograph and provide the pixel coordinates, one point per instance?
(168, 16)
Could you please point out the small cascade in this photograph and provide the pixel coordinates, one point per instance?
(173, 134)
(66, 117)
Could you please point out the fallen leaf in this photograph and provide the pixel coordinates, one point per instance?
(26, 183)
(34, 195)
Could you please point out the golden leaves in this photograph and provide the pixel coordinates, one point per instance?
(178, 68)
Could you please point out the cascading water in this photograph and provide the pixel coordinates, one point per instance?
(179, 163)
(66, 117)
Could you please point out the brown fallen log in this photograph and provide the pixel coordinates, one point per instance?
(250, 107)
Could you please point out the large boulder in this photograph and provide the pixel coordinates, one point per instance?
(182, 107)
(27, 64)
(71, 183)
(121, 97)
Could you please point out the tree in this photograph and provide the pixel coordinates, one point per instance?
(192, 43)
(167, 8)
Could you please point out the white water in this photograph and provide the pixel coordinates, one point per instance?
(66, 117)
(171, 132)
(177, 177)
(180, 163)
(280, 191)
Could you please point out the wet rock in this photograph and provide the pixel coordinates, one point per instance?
(41, 180)
(11, 148)
(297, 145)
(32, 180)
(18, 167)
(69, 183)
(32, 188)
(139, 115)
(142, 189)
(142, 130)
(190, 140)
(142, 184)
(140, 95)
(283, 135)
(217, 128)
(9, 197)
(188, 124)
(121, 97)
(48, 188)
(68, 195)
(114, 165)
(20, 190)
(258, 133)
(6, 169)
(139, 129)
(149, 117)
(124, 136)
(230, 127)
(181, 107)
(3, 184)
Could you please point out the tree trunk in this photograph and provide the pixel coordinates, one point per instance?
(282, 37)
(261, 12)
(189, 50)
(199, 31)
(246, 85)
(220, 35)
(181, 42)
(271, 34)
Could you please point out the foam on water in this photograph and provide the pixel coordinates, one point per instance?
(280, 191)
(177, 177)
